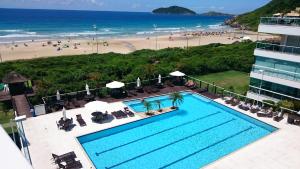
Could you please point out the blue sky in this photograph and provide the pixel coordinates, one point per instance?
(228, 6)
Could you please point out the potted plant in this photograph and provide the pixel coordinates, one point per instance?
(148, 107)
(177, 99)
(158, 103)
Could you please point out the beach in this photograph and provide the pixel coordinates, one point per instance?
(124, 45)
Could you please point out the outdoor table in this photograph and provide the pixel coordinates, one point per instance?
(89, 97)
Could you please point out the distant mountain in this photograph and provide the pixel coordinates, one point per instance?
(174, 10)
(251, 20)
(213, 13)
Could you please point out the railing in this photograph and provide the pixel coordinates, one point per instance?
(278, 48)
(286, 21)
(293, 76)
(270, 93)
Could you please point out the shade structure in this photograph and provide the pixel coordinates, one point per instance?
(57, 95)
(64, 112)
(97, 106)
(87, 88)
(159, 79)
(138, 82)
(177, 74)
(115, 85)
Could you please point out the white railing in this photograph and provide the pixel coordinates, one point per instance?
(278, 48)
(286, 21)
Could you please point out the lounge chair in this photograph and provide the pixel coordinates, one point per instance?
(235, 102)
(80, 120)
(254, 109)
(128, 112)
(265, 113)
(245, 106)
(71, 165)
(169, 83)
(75, 102)
(154, 89)
(202, 90)
(117, 114)
(278, 117)
(64, 157)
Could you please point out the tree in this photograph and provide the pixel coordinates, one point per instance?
(148, 107)
(158, 103)
(176, 98)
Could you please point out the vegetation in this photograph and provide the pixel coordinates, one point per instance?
(174, 10)
(286, 104)
(176, 99)
(5, 115)
(251, 20)
(158, 103)
(71, 73)
(148, 107)
(213, 13)
(234, 81)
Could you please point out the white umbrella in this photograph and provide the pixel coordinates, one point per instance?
(87, 89)
(57, 95)
(177, 74)
(115, 85)
(159, 79)
(64, 113)
(138, 82)
(97, 106)
(246, 38)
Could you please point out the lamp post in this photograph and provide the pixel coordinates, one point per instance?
(95, 27)
(187, 40)
(261, 81)
(155, 26)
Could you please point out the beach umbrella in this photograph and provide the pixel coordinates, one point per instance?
(159, 79)
(87, 89)
(115, 85)
(97, 106)
(57, 95)
(64, 112)
(246, 38)
(177, 74)
(138, 82)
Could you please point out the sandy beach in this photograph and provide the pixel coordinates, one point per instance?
(62, 47)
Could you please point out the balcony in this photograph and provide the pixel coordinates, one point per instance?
(278, 25)
(283, 77)
(278, 48)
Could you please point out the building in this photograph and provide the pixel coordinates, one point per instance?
(275, 74)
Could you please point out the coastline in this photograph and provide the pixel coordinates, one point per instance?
(123, 45)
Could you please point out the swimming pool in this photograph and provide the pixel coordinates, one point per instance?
(198, 133)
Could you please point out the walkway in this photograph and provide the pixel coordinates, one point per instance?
(21, 105)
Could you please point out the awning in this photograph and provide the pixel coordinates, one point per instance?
(115, 85)
(177, 74)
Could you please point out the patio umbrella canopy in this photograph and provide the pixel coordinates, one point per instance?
(138, 82)
(96, 106)
(246, 38)
(87, 89)
(57, 95)
(177, 74)
(115, 85)
(64, 113)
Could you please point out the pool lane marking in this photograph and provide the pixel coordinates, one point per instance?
(196, 152)
(164, 146)
(151, 135)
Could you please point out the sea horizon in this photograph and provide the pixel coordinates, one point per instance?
(21, 25)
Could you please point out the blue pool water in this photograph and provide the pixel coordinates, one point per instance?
(200, 132)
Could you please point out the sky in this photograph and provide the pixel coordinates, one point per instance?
(227, 6)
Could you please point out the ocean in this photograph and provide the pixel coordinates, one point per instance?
(32, 24)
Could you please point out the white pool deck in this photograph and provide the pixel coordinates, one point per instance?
(279, 150)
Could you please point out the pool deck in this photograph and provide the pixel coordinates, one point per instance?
(279, 150)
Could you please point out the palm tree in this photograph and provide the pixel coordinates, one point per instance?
(176, 98)
(148, 107)
(158, 103)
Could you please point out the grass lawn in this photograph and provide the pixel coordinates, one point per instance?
(239, 81)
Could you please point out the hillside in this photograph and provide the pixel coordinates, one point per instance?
(251, 20)
(174, 10)
(213, 13)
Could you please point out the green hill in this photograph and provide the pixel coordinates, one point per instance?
(251, 20)
(174, 10)
(213, 13)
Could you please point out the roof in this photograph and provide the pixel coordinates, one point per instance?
(13, 77)
(10, 155)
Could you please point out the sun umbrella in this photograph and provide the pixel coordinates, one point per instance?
(115, 85)
(159, 79)
(96, 106)
(64, 113)
(87, 89)
(57, 95)
(138, 82)
(177, 74)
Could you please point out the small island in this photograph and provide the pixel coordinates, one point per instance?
(177, 10)
(213, 13)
